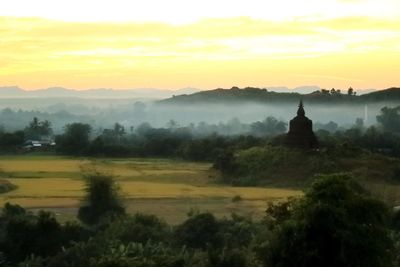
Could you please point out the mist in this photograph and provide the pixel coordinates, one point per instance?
(15, 114)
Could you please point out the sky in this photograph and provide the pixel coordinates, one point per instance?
(203, 44)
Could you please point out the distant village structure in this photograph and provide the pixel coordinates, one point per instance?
(300, 133)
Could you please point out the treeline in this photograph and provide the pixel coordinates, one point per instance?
(381, 138)
(196, 142)
(146, 141)
(202, 141)
(336, 223)
(205, 142)
(11, 120)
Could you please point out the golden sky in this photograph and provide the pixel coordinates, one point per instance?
(204, 44)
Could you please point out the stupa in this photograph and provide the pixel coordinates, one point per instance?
(300, 133)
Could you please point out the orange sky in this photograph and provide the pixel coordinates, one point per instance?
(130, 44)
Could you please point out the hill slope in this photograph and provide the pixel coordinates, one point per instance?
(264, 96)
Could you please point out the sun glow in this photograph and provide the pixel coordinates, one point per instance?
(172, 44)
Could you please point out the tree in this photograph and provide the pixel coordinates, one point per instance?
(350, 91)
(225, 162)
(199, 231)
(270, 126)
(24, 234)
(75, 138)
(359, 123)
(390, 119)
(38, 129)
(336, 224)
(119, 130)
(139, 228)
(115, 134)
(143, 128)
(330, 126)
(11, 140)
(102, 199)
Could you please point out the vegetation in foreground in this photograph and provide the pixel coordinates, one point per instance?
(336, 223)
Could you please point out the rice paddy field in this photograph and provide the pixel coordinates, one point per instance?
(167, 188)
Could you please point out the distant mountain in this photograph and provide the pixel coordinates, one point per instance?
(60, 92)
(11, 90)
(300, 89)
(306, 89)
(366, 91)
(256, 95)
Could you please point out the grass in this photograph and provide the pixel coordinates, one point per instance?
(167, 188)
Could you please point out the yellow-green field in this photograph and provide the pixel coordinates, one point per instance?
(167, 188)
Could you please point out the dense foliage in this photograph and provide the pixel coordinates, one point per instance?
(75, 138)
(23, 234)
(336, 223)
(11, 142)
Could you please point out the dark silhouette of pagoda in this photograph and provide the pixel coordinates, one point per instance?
(300, 133)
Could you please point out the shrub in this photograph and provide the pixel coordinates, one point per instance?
(6, 186)
(139, 228)
(237, 198)
(199, 231)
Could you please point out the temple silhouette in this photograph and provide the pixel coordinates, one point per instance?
(300, 133)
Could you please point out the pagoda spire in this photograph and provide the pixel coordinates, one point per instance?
(300, 111)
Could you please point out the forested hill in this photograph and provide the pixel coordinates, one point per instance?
(257, 95)
(391, 94)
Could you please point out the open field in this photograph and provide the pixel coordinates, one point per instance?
(167, 188)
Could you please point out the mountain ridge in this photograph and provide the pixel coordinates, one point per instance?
(151, 93)
(263, 95)
(154, 93)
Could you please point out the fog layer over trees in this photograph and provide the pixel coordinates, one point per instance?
(228, 106)
(15, 114)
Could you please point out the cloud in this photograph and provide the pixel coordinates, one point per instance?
(38, 50)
